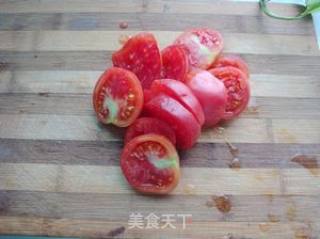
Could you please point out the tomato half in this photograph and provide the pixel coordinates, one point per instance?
(203, 45)
(175, 64)
(118, 97)
(211, 94)
(141, 55)
(183, 123)
(180, 92)
(150, 164)
(238, 89)
(232, 60)
(146, 125)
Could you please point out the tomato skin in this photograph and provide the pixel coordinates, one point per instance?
(211, 94)
(147, 125)
(203, 46)
(117, 97)
(232, 60)
(141, 55)
(138, 164)
(169, 110)
(175, 63)
(180, 92)
(238, 89)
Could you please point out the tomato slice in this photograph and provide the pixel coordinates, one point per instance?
(150, 164)
(203, 46)
(186, 127)
(232, 60)
(146, 125)
(117, 97)
(141, 55)
(211, 94)
(238, 89)
(180, 92)
(175, 64)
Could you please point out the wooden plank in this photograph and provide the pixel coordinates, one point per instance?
(103, 229)
(84, 81)
(106, 153)
(151, 21)
(139, 6)
(108, 41)
(98, 179)
(91, 206)
(99, 60)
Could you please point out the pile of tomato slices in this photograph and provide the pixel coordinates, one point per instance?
(165, 97)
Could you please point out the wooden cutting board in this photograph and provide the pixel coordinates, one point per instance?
(59, 168)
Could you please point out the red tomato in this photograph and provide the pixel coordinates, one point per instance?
(211, 94)
(183, 123)
(180, 92)
(238, 89)
(141, 55)
(232, 60)
(147, 95)
(146, 125)
(203, 46)
(117, 97)
(150, 164)
(175, 64)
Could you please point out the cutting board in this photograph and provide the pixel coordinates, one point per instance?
(59, 168)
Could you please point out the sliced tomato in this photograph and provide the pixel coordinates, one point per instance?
(203, 46)
(238, 89)
(232, 60)
(146, 125)
(186, 127)
(117, 97)
(150, 164)
(175, 64)
(211, 94)
(141, 55)
(180, 92)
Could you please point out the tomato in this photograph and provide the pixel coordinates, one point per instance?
(211, 94)
(141, 55)
(117, 97)
(186, 127)
(147, 95)
(232, 60)
(180, 92)
(203, 45)
(238, 89)
(175, 64)
(146, 125)
(150, 164)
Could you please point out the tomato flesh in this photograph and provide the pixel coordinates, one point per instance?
(175, 64)
(203, 46)
(146, 125)
(186, 127)
(141, 55)
(211, 94)
(117, 97)
(238, 89)
(232, 60)
(180, 92)
(150, 164)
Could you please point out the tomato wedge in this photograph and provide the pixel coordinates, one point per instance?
(146, 125)
(211, 94)
(180, 92)
(150, 164)
(203, 45)
(117, 97)
(186, 127)
(232, 60)
(141, 55)
(238, 89)
(175, 64)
